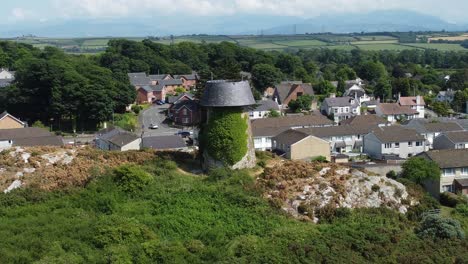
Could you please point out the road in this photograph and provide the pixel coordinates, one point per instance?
(155, 115)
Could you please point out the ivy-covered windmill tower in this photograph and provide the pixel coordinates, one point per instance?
(226, 138)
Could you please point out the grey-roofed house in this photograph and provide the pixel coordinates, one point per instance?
(139, 79)
(452, 140)
(264, 129)
(297, 145)
(340, 108)
(394, 112)
(115, 138)
(172, 142)
(453, 164)
(342, 139)
(263, 108)
(285, 92)
(445, 96)
(393, 142)
(431, 129)
(28, 137)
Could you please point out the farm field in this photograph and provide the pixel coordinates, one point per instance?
(271, 42)
(439, 46)
(450, 38)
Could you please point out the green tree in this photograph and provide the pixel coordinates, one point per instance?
(459, 100)
(371, 70)
(324, 88)
(273, 113)
(341, 88)
(441, 108)
(264, 76)
(302, 103)
(420, 170)
(436, 227)
(383, 89)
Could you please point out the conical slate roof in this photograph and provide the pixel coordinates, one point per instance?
(222, 93)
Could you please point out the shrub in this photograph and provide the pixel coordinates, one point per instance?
(320, 159)
(420, 170)
(375, 188)
(451, 199)
(39, 124)
(462, 209)
(436, 227)
(137, 109)
(391, 174)
(131, 178)
(261, 163)
(426, 203)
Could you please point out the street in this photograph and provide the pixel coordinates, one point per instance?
(155, 115)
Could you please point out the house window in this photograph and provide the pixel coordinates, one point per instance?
(388, 145)
(335, 110)
(185, 120)
(347, 110)
(418, 143)
(464, 171)
(397, 145)
(460, 146)
(410, 144)
(184, 112)
(447, 188)
(449, 172)
(251, 114)
(257, 141)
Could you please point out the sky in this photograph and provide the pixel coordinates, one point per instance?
(37, 11)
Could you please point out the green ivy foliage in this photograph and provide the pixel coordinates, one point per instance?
(225, 137)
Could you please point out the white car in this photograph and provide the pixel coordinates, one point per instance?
(153, 126)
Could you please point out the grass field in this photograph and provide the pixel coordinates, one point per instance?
(273, 42)
(450, 38)
(439, 46)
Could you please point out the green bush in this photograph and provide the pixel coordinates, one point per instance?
(462, 209)
(127, 121)
(137, 109)
(452, 200)
(261, 163)
(391, 174)
(225, 136)
(330, 213)
(320, 159)
(131, 178)
(436, 227)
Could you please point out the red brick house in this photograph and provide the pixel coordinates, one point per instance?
(185, 111)
(150, 93)
(189, 81)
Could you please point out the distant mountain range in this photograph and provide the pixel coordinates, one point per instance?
(394, 20)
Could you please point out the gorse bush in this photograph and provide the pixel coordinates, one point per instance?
(452, 199)
(436, 227)
(132, 178)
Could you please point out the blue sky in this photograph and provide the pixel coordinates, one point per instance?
(36, 11)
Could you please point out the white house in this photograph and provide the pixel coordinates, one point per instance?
(356, 91)
(263, 108)
(115, 138)
(340, 108)
(453, 164)
(414, 102)
(431, 129)
(393, 142)
(6, 74)
(394, 112)
(445, 96)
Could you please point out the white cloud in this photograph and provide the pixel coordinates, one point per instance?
(18, 14)
(448, 9)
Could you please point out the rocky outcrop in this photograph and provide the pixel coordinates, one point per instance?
(302, 188)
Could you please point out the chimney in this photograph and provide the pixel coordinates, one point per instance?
(399, 95)
(332, 95)
(418, 100)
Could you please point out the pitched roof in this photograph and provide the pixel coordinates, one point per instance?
(26, 132)
(325, 132)
(340, 101)
(364, 120)
(410, 101)
(158, 77)
(190, 104)
(290, 136)
(152, 88)
(186, 76)
(5, 113)
(312, 120)
(170, 82)
(285, 88)
(457, 136)
(30, 136)
(164, 142)
(396, 109)
(392, 134)
(116, 136)
(139, 78)
(266, 105)
(425, 126)
(174, 99)
(448, 158)
(38, 141)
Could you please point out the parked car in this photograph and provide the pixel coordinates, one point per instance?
(159, 102)
(153, 126)
(185, 133)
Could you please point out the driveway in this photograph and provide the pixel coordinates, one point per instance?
(155, 115)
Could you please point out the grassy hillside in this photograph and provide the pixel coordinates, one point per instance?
(274, 42)
(156, 213)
